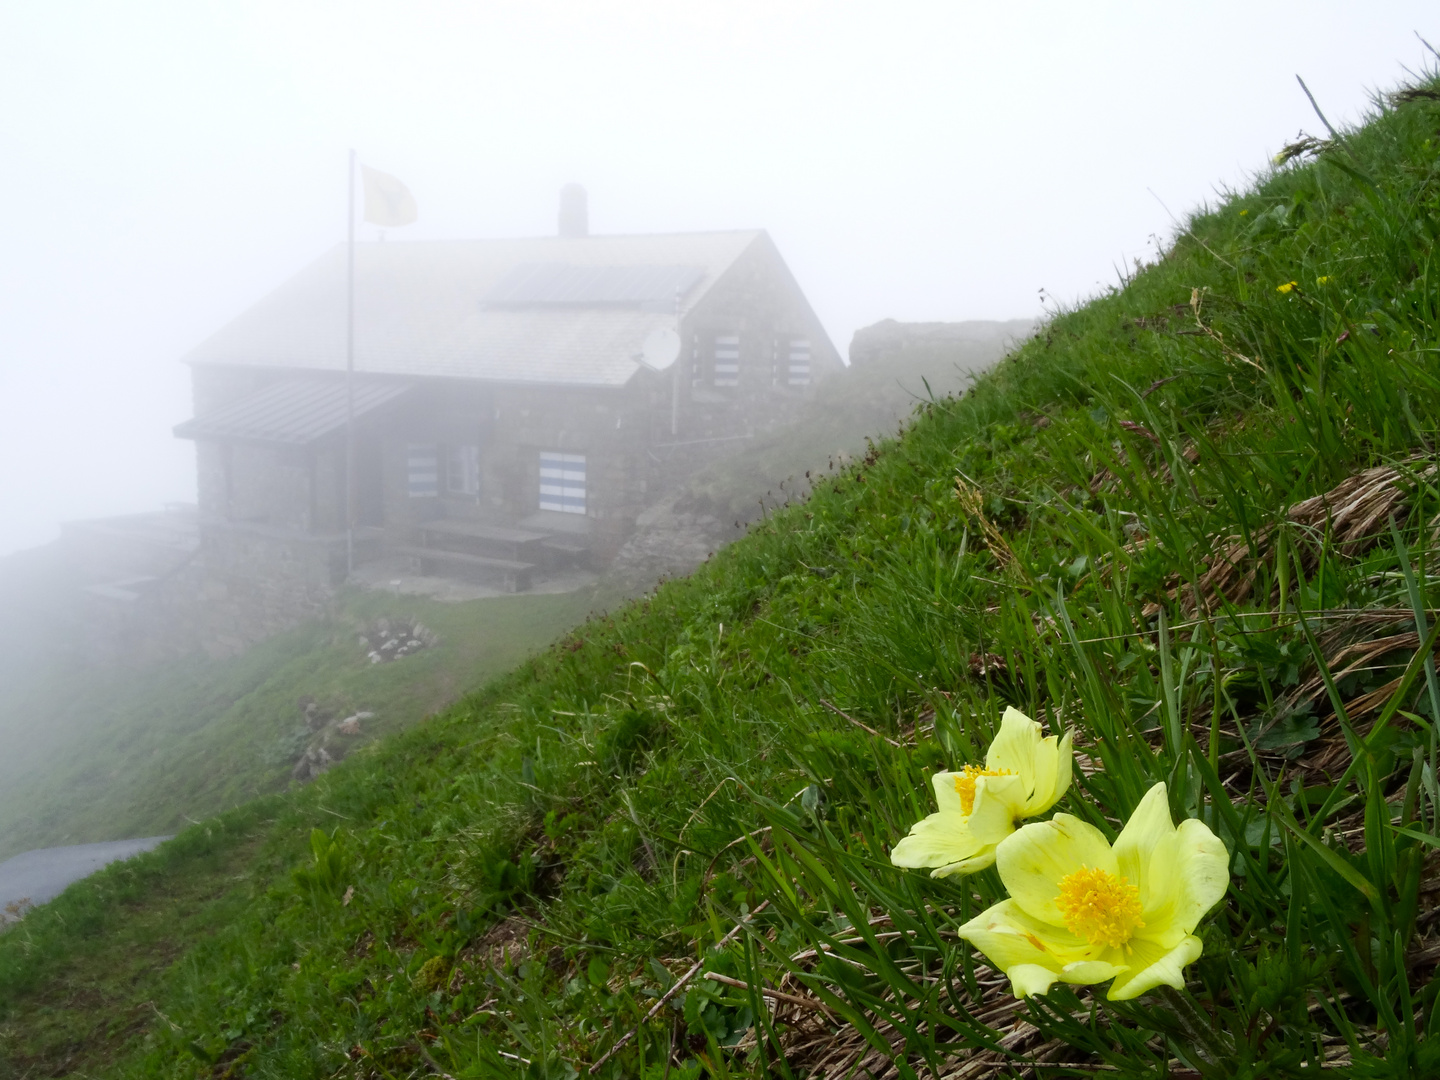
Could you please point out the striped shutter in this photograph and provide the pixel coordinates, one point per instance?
(422, 471)
(799, 373)
(727, 360)
(562, 482)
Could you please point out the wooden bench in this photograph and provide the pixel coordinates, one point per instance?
(567, 548)
(517, 544)
(512, 575)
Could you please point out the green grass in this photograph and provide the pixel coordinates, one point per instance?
(112, 753)
(510, 888)
(110, 945)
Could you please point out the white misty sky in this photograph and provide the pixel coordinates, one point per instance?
(163, 165)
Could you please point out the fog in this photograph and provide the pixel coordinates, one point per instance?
(164, 165)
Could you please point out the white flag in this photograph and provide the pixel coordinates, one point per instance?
(388, 202)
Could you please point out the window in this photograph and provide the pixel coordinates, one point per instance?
(799, 362)
(422, 470)
(462, 469)
(727, 360)
(562, 482)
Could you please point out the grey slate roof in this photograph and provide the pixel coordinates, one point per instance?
(560, 284)
(420, 311)
(292, 412)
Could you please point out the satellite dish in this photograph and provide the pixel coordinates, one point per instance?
(662, 348)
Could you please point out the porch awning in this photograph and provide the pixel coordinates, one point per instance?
(294, 412)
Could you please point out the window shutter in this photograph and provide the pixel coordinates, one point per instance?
(422, 471)
(727, 360)
(799, 371)
(562, 482)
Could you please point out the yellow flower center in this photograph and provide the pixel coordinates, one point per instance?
(1101, 907)
(965, 784)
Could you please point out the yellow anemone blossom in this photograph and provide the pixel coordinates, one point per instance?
(1287, 286)
(1081, 911)
(1023, 775)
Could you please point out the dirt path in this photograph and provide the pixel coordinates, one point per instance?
(43, 874)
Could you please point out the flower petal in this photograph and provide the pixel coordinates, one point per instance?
(1052, 774)
(999, 804)
(973, 865)
(1065, 768)
(1084, 972)
(1014, 746)
(1008, 936)
(1027, 979)
(1189, 873)
(1148, 826)
(1152, 965)
(939, 840)
(947, 799)
(1034, 859)
(1033, 954)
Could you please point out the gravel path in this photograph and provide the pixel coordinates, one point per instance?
(43, 874)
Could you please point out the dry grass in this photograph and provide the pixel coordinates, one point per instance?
(1350, 518)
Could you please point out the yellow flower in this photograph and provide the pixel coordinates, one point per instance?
(1024, 775)
(1081, 912)
(1323, 279)
(1286, 287)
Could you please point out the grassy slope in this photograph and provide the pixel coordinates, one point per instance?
(121, 753)
(521, 877)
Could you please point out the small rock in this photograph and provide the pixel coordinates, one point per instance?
(308, 766)
(349, 726)
(311, 764)
(314, 718)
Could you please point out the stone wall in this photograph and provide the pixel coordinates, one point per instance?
(887, 337)
(244, 584)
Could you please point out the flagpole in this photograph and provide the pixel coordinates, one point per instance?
(350, 383)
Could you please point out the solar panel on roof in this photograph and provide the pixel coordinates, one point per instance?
(593, 286)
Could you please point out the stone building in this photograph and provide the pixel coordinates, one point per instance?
(509, 417)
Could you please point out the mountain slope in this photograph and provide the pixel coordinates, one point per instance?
(1192, 521)
(105, 753)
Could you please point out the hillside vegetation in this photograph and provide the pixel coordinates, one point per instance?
(1193, 522)
(104, 753)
